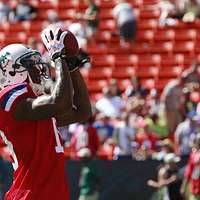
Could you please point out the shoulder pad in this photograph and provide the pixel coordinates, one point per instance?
(10, 94)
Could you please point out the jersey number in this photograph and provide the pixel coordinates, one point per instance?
(59, 148)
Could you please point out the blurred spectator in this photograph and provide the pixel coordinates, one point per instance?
(136, 88)
(171, 9)
(169, 180)
(153, 100)
(53, 18)
(157, 125)
(124, 135)
(192, 172)
(135, 105)
(114, 87)
(92, 17)
(6, 169)
(145, 139)
(123, 13)
(161, 193)
(192, 97)
(173, 98)
(191, 74)
(192, 11)
(85, 136)
(23, 11)
(136, 108)
(89, 181)
(110, 104)
(174, 179)
(166, 147)
(79, 29)
(107, 149)
(4, 11)
(198, 109)
(104, 127)
(6, 174)
(185, 133)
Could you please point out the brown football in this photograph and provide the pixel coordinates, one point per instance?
(71, 44)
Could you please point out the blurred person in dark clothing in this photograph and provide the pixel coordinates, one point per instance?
(6, 170)
(89, 181)
(174, 180)
(23, 11)
(165, 147)
(92, 17)
(136, 89)
(114, 87)
(104, 127)
(191, 74)
(123, 14)
(168, 178)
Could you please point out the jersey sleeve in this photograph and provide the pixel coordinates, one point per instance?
(10, 96)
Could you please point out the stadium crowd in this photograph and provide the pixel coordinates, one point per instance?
(139, 122)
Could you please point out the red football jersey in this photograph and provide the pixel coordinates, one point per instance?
(38, 156)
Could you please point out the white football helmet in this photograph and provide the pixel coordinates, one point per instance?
(13, 69)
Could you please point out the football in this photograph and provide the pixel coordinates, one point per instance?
(71, 44)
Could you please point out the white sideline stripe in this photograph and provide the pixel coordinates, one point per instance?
(13, 97)
(11, 150)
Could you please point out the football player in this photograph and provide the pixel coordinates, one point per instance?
(29, 117)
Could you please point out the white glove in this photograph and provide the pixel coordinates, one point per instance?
(51, 41)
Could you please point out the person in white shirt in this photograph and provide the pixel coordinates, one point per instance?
(4, 11)
(124, 134)
(123, 13)
(185, 133)
(198, 109)
(110, 104)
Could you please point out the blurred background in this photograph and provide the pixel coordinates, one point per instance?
(143, 78)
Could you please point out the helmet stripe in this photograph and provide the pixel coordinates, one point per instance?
(12, 95)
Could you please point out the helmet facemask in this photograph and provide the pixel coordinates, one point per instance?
(38, 72)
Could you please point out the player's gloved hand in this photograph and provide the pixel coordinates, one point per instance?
(53, 42)
(76, 62)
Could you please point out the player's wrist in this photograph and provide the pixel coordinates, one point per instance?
(76, 62)
(72, 63)
(58, 55)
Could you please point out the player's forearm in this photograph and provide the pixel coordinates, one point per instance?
(81, 97)
(62, 92)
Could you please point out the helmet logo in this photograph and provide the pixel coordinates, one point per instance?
(4, 60)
